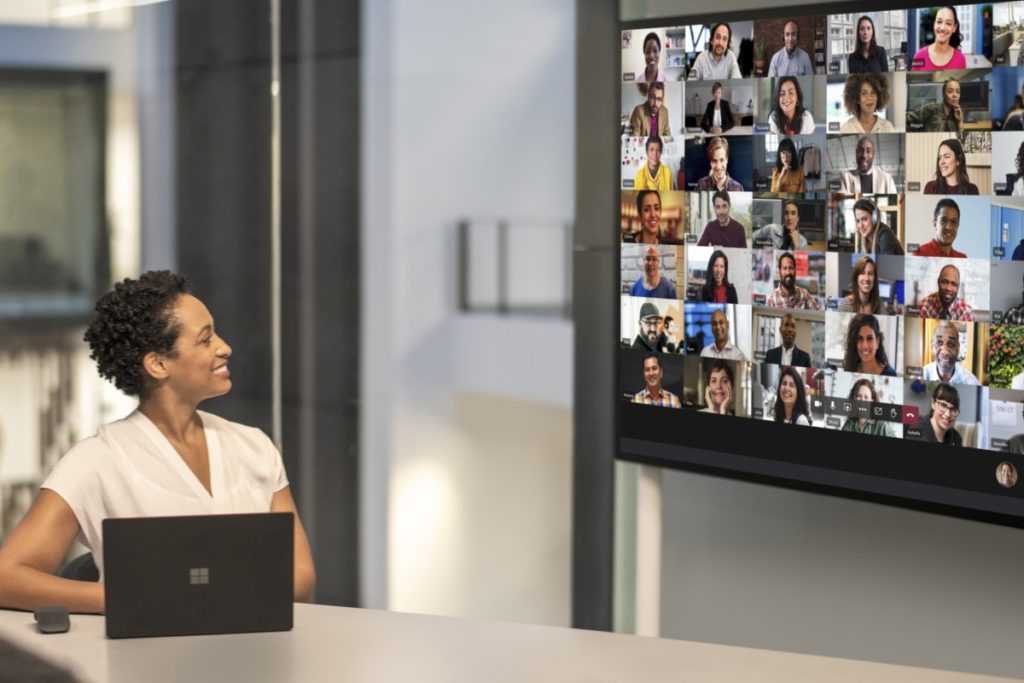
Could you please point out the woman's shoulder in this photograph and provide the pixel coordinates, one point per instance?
(929, 187)
(850, 125)
(846, 305)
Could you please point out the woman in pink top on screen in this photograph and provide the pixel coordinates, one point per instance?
(944, 53)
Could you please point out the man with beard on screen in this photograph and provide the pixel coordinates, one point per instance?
(651, 284)
(788, 294)
(945, 303)
(650, 337)
(946, 349)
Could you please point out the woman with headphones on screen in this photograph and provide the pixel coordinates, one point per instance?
(156, 341)
(872, 235)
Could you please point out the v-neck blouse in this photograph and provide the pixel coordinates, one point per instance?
(130, 469)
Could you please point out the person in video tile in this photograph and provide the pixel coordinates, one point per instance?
(718, 115)
(724, 231)
(944, 53)
(785, 236)
(938, 426)
(791, 399)
(668, 339)
(864, 296)
(719, 382)
(865, 347)
(650, 337)
(648, 207)
(717, 287)
(721, 347)
(788, 116)
(653, 175)
(1018, 185)
(863, 95)
(875, 237)
(653, 394)
(951, 171)
(652, 60)
(789, 294)
(717, 61)
(939, 117)
(718, 177)
(946, 222)
(946, 349)
(945, 303)
(864, 391)
(866, 178)
(1006, 474)
(1015, 314)
(790, 60)
(788, 353)
(651, 117)
(787, 175)
(868, 55)
(651, 284)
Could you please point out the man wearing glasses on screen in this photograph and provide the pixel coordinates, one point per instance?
(651, 117)
(653, 394)
(947, 224)
(789, 294)
(945, 303)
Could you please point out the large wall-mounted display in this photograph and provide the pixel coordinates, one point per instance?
(822, 260)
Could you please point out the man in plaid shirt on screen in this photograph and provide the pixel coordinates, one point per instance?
(789, 294)
(945, 303)
(653, 394)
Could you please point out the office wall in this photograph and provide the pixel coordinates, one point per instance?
(467, 112)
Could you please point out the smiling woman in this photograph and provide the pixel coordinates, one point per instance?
(155, 340)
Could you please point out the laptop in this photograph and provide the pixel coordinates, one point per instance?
(176, 576)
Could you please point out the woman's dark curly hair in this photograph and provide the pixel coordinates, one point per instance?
(1020, 160)
(131, 321)
(851, 93)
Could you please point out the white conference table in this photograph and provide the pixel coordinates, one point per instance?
(343, 644)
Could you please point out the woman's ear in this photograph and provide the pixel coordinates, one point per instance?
(154, 365)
